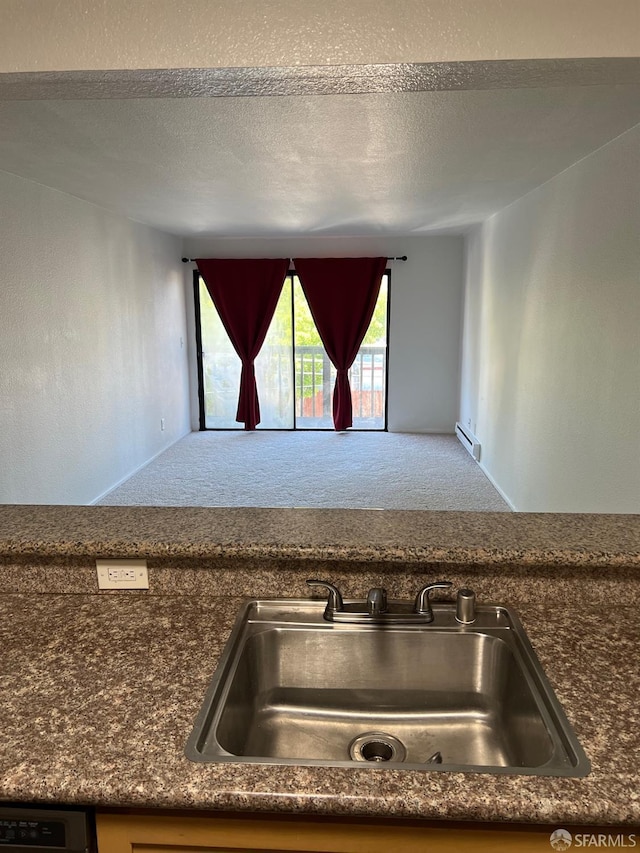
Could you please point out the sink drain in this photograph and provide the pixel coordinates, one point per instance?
(376, 746)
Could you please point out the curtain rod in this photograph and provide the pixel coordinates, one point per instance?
(401, 258)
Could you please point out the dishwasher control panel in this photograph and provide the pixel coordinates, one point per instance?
(33, 833)
(29, 828)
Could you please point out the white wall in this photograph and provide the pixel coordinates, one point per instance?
(551, 341)
(91, 316)
(38, 35)
(425, 306)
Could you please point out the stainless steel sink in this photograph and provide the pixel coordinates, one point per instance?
(293, 688)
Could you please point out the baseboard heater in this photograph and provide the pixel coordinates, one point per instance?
(468, 439)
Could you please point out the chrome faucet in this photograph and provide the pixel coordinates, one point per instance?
(334, 602)
(423, 604)
(376, 608)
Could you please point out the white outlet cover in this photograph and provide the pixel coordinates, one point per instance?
(122, 574)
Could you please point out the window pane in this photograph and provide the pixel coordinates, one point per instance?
(274, 368)
(316, 376)
(221, 368)
(368, 375)
(313, 368)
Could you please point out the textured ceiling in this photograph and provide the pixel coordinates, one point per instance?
(337, 164)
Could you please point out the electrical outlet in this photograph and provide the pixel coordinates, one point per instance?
(162, 424)
(122, 574)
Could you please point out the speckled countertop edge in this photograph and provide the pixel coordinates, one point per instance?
(99, 693)
(302, 534)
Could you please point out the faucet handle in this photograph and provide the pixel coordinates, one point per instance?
(335, 596)
(423, 604)
(377, 601)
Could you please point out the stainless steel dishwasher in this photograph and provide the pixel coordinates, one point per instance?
(33, 828)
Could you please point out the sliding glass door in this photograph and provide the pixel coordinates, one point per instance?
(220, 367)
(294, 376)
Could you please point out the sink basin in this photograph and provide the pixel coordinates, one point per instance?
(292, 688)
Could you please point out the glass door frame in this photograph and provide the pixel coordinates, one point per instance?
(294, 428)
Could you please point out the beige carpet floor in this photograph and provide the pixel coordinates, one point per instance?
(312, 469)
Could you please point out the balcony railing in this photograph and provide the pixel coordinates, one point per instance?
(315, 377)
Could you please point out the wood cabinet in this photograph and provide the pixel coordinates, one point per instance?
(145, 832)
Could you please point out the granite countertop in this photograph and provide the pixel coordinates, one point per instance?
(335, 534)
(98, 691)
(98, 694)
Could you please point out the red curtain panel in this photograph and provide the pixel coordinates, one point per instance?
(342, 295)
(245, 293)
